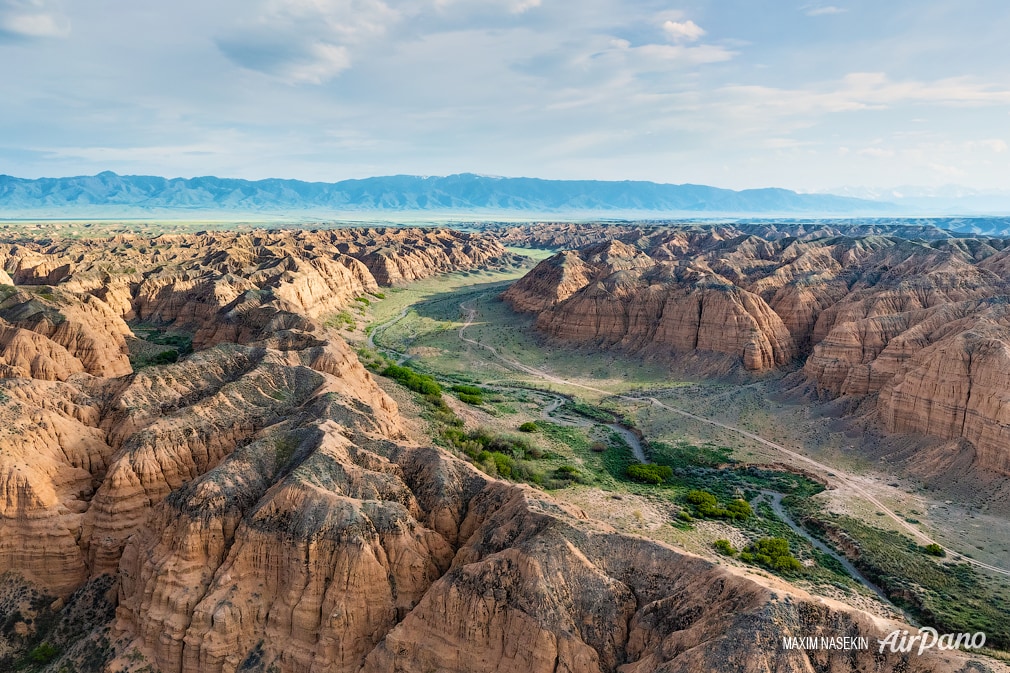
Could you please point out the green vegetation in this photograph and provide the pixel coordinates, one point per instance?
(469, 394)
(950, 597)
(144, 351)
(284, 449)
(419, 383)
(683, 453)
(43, 653)
(724, 547)
(706, 506)
(589, 411)
(499, 455)
(363, 300)
(528, 426)
(342, 320)
(934, 550)
(648, 474)
(772, 553)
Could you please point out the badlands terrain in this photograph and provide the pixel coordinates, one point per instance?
(200, 473)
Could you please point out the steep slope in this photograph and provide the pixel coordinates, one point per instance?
(612, 295)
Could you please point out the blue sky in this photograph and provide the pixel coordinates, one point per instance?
(734, 93)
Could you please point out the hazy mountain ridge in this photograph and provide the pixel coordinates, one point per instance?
(466, 192)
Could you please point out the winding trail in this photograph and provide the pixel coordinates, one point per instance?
(775, 501)
(840, 476)
(382, 327)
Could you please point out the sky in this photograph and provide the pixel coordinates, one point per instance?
(809, 96)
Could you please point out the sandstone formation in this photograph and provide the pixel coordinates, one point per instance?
(570, 235)
(914, 324)
(614, 295)
(255, 506)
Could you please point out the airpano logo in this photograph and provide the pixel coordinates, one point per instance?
(897, 641)
(928, 638)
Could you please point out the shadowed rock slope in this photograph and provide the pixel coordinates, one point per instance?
(917, 329)
(256, 506)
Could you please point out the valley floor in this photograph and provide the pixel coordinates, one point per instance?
(455, 328)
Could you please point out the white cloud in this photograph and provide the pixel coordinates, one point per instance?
(327, 61)
(994, 145)
(877, 153)
(683, 30)
(823, 11)
(946, 170)
(32, 18)
(307, 41)
(865, 91)
(705, 53)
(522, 6)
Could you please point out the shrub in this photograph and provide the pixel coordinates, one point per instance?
(567, 473)
(649, 474)
(702, 498)
(467, 390)
(419, 383)
(43, 653)
(342, 319)
(707, 506)
(166, 357)
(475, 400)
(934, 549)
(724, 547)
(529, 426)
(504, 464)
(772, 553)
(740, 509)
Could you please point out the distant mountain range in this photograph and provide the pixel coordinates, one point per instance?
(942, 200)
(109, 194)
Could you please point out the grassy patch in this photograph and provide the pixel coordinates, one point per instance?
(154, 347)
(951, 597)
(342, 320)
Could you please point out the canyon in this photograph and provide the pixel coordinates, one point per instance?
(910, 322)
(259, 505)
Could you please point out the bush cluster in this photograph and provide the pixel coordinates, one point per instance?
(408, 378)
(469, 394)
(724, 547)
(648, 474)
(772, 553)
(706, 506)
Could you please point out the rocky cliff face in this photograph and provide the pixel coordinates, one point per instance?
(613, 295)
(917, 327)
(256, 507)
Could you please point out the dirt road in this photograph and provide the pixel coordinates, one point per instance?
(840, 478)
